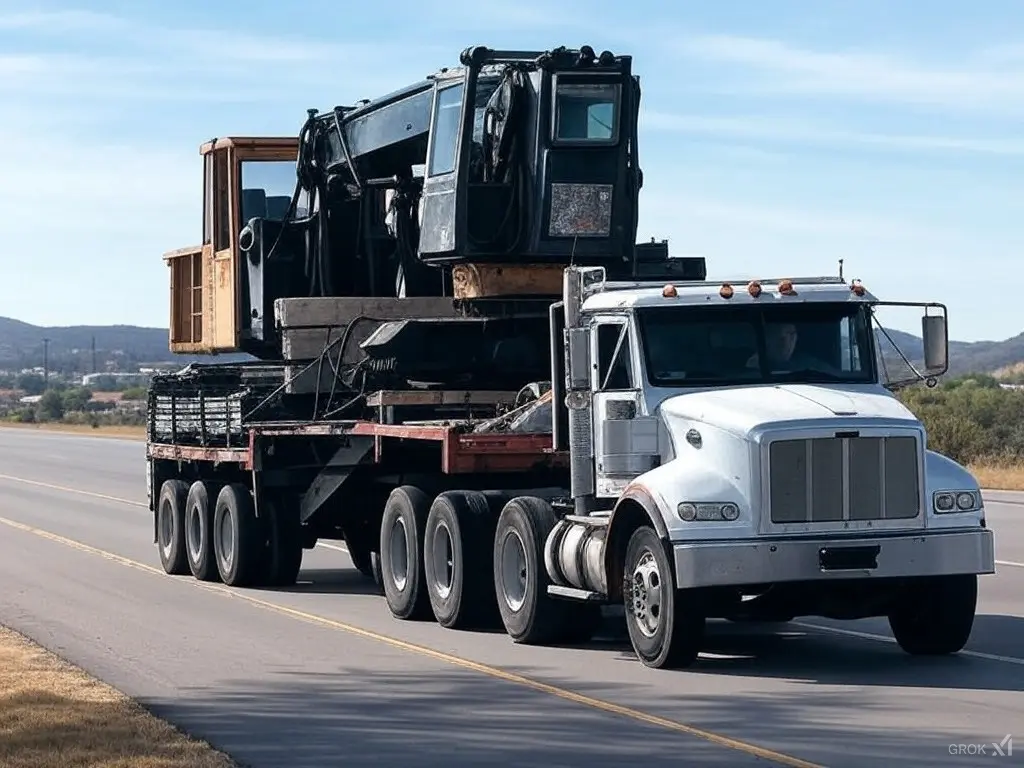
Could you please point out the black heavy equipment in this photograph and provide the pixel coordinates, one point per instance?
(437, 219)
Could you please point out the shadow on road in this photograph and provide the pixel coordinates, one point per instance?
(456, 718)
(795, 653)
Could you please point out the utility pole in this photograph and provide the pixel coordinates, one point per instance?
(94, 353)
(46, 362)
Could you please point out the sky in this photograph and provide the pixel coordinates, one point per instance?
(776, 136)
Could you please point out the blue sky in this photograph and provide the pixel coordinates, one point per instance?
(776, 137)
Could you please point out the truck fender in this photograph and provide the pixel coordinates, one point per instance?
(636, 507)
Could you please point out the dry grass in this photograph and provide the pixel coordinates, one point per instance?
(53, 715)
(1005, 477)
(112, 430)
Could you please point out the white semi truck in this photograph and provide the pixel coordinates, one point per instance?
(715, 449)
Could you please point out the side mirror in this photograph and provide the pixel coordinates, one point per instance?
(935, 340)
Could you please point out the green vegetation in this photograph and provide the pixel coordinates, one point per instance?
(971, 419)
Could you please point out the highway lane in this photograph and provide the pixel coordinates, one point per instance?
(289, 679)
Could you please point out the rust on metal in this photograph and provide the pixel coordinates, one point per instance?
(240, 456)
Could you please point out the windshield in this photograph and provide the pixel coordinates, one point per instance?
(709, 346)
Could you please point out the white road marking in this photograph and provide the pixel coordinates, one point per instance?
(884, 639)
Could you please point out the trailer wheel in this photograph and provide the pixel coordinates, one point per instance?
(530, 615)
(237, 540)
(935, 618)
(282, 557)
(665, 624)
(401, 553)
(170, 526)
(198, 533)
(455, 561)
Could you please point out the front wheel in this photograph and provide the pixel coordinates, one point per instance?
(935, 617)
(666, 625)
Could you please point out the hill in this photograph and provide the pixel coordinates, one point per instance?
(70, 348)
(1003, 358)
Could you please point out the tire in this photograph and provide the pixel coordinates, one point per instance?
(239, 559)
(665, 624)
(198, 533)
(170, 527)
(457, 560)
(530, 615)
(401, 553)
(935, 618)
(283, 551)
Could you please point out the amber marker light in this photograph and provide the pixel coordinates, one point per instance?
(857, 288)
(754, 288)
(669, 291)
(725, 291)
(786, 288)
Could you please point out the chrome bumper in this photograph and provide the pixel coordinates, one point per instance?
(726, 563)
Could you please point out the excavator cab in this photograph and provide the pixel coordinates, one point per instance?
(243, 179)
(531, 166)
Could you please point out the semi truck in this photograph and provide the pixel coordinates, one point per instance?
(447, 349)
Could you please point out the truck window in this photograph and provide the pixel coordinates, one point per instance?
(719, 346)
(614, 359)
(586, 111)
(444, 135)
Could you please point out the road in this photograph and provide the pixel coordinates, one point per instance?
(322, 675)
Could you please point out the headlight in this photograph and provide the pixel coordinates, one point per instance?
(945, 502)
(704, 511)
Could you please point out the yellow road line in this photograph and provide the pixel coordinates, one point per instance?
(493, 672)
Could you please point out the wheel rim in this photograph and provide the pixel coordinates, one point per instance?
(226, 535)
(195, 532)
(514, 573)
(398, 566)
(646, 595)
(166, 528)
(443, 554)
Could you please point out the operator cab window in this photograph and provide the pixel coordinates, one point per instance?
(586, 112)
(444, 136)
(615, 359)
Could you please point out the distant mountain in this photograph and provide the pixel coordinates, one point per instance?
(964, 356)
(70, 347)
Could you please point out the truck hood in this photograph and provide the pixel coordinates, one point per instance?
(742, 409)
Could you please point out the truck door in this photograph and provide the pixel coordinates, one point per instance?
(625, 441)
(439, 201)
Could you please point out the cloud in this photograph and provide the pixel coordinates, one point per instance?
(767, 128)
(980, 82)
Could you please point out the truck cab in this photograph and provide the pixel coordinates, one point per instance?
(746, 430)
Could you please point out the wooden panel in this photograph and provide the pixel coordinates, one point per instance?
(474, 281)
(224, 331)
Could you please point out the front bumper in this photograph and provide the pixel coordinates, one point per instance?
(734, 563)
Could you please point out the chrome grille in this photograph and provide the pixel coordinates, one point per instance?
(833, 479)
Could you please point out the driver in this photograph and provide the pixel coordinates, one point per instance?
(780, 348)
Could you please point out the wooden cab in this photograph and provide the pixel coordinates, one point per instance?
(242, 178)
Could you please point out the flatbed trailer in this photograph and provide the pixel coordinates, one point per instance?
(241, 507)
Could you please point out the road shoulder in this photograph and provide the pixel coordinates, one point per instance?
(53, 714)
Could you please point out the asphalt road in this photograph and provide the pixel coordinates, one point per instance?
(321, 675)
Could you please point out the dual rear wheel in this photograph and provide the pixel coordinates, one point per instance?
(474, 559)
(212, 532)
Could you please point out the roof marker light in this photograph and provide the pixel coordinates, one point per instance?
(669, 291)
(754, 288)
(725, 291)
(786, 288)
(857, 288)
